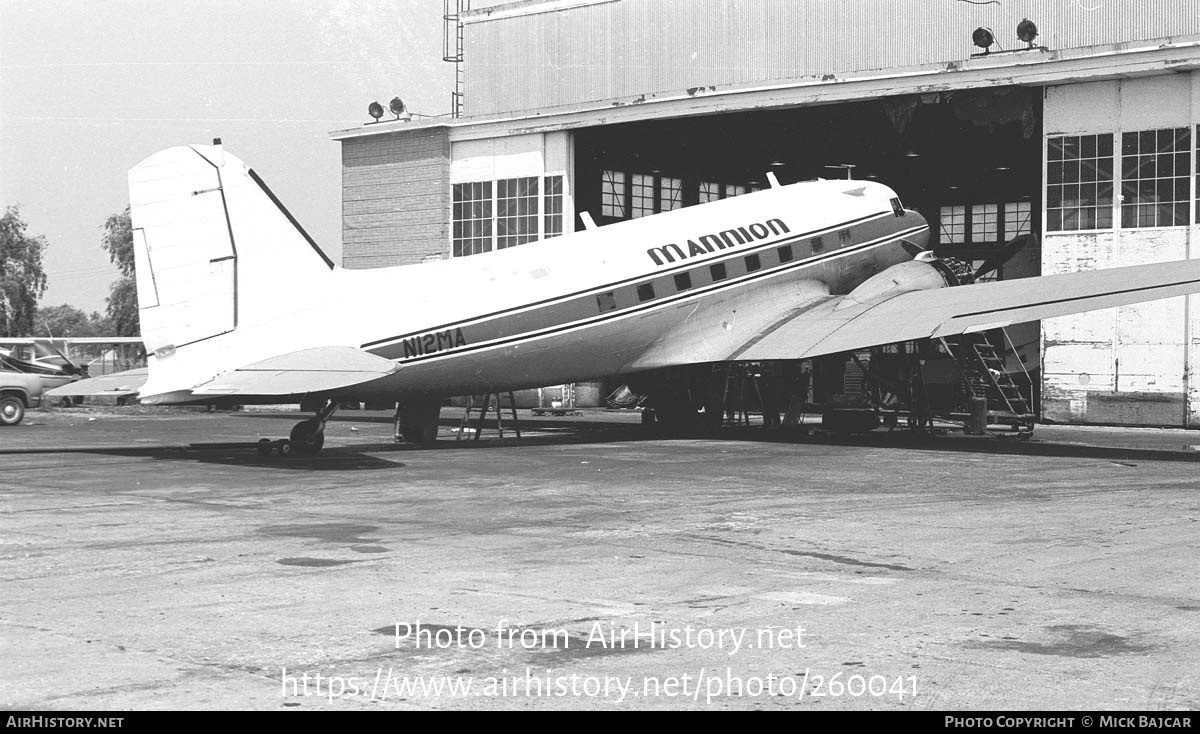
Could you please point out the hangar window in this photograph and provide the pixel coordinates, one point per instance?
(985, 223)
(953, 225)
(494, 215)
(472, 218)
(712, 190)
(668, 193)
(553, 206)
(996, 273)
(612, 194)
(642, 188)
(1079, 182)
(709, 191)
(1018, 219)
(634, 195)
(1156, 186)
(1198, 171)
(988, 224)
(516, 211)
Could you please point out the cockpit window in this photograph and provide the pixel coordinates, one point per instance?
(897, 207)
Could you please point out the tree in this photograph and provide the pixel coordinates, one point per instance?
(66, 320)
(22, 278)
(122, 306)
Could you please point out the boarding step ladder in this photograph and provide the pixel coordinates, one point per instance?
(984, 374)
(479, 407)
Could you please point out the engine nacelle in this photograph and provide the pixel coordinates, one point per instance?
(914, 275)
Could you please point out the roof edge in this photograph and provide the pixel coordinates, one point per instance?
(1036, 66)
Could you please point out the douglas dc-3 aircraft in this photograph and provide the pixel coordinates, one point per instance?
(239, 305)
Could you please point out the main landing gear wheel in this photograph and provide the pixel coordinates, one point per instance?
(307, 437)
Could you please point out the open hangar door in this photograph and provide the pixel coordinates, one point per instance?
(970, 161)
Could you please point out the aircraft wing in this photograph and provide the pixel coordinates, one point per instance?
(840, 324)
(117, 384)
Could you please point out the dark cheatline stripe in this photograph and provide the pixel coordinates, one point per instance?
(683, 265)
(558, 324)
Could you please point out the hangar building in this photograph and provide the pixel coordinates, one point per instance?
(1083, 136)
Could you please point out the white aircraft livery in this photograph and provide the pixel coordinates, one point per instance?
(239, 305)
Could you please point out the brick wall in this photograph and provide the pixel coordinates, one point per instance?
(395, 198)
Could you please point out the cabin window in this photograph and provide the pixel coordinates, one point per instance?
(645, 291)
(752, 263)
(606, 301)
(818, 245)
(683, 281)
(785, 254)
(717, 271)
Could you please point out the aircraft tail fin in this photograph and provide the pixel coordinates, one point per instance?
(217, 256)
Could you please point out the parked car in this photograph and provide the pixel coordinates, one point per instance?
(18, 391)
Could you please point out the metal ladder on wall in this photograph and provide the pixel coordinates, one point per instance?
(452, 48)
(489, 402)
(983, 372)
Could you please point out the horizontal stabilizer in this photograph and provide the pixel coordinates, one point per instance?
(307, 371)
(118, 384)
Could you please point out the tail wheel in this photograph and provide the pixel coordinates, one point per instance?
(12, 410)
(307, 438)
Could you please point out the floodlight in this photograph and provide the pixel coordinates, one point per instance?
(375, 110)
(983, 38)
(1027, 31)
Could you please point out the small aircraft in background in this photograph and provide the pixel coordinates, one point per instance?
(238, 305)
(52, 358)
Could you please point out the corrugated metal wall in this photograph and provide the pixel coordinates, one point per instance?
(626, 48)
(395, 198)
